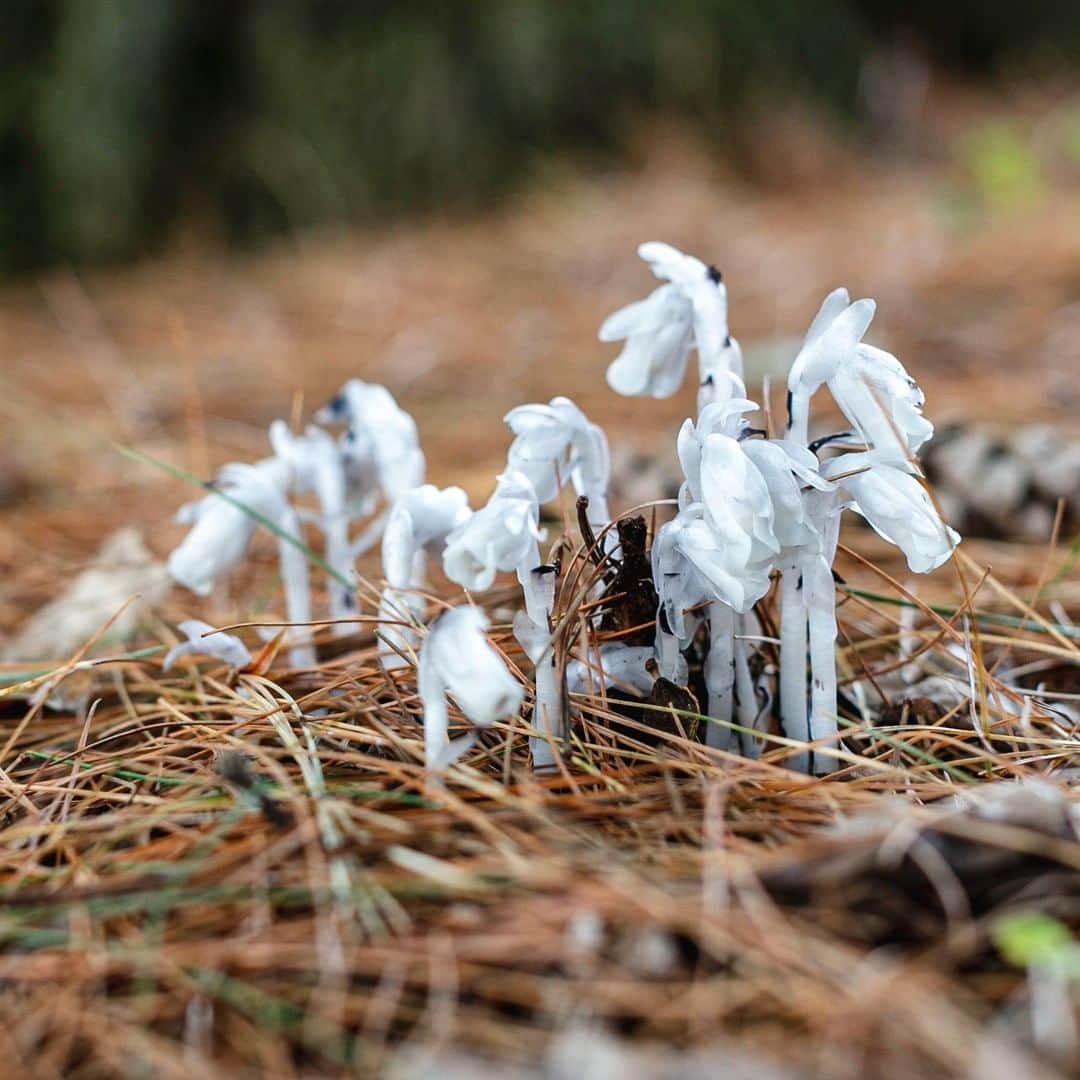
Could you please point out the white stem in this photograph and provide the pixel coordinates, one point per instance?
(799, 431)
(342, 598)
(720, 675)
(793, 717)
(532, 629)
(822, 609)
(746, 698)
(549, 718)
(669, 657)
(294, 578)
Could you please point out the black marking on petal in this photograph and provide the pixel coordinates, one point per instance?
(348, 601)
(799, 586)
(750, 432)
(838, 579)
(727, 342)
(708, 381)
(838, 436)
(546, 568)
(662, 618)
(714, 275)
(336, 404)
(790, 399)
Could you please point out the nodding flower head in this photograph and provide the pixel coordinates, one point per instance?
(204, 640)
(738, 506)
(833, 336)
(555, 443)
(457, 658)
(692, 564)
(419, 523)
(705, 289)
(660, 330)
(381, 439)
(785, 474)
(502, 535)
(220, 529)
(723, 417)
(897, 507)
(882, 401)
(315, 464)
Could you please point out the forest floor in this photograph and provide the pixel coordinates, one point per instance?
(653, 910)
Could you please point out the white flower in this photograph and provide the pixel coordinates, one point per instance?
(456, 658)
(502, 535)
(555, 443)
(718, 418)
(707, 293)
(738, 506)
(897, 507)
(204, 640)
(882, 401)
(381, 439)
(785, 468)
(419, 524)
(692, 564)
(221, 530)
(660, 330)
(833, 336)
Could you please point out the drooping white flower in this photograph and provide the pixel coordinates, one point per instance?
(719, 418)
(502, 535)
(555, 443)
(705, 289)
(660, 330)
(786, 470)
(882, 401)
(381, 440)
(833, 336)
(204, 640)
(692, 564)
(220, 530)
(897, 507)
(457, 659)
(738, 506)
(417, 526)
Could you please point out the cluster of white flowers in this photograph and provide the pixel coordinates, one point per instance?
(751, 508)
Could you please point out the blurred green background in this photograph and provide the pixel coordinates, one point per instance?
(122, 120)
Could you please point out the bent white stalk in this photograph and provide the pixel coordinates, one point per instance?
(294, 579)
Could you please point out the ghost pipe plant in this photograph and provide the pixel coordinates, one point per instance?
(417, 526)
(221, 528)
(749, 506)
(457, 659)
